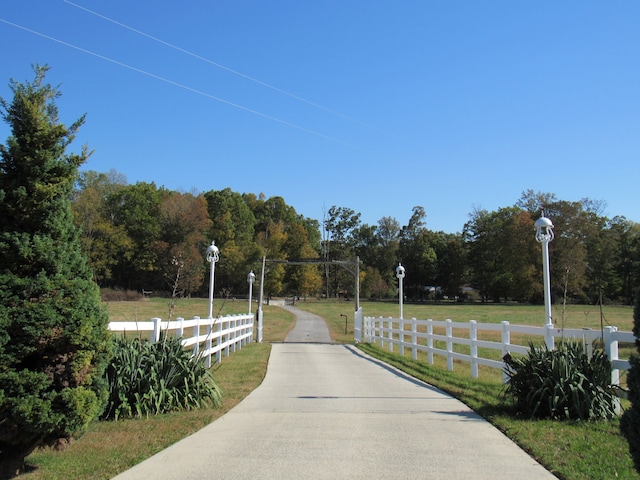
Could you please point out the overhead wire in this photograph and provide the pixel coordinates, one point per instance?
(180, 85)
(223, 67)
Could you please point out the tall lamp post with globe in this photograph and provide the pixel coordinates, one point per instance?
(213, 255)
(251, 278)
(544, 234)
(400, 276)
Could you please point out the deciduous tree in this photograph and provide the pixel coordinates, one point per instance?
(103, 242)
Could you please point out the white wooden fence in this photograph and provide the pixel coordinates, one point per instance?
(418, 335)
(208, 336)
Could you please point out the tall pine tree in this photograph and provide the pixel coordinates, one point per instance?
(54, 344)
(630, 422)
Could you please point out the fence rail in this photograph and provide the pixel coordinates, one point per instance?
(208, 336)
(438, 337)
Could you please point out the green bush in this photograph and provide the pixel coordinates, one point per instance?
(153, 378)
(54, 343)
(630, 422)
(561, 384)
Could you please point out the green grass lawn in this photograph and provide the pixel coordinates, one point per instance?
(571, 450)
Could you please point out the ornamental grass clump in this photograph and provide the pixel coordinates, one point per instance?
(153, 378)
(564, 383)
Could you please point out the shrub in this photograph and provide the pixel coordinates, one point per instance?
(153, 378)
(561, 384)
(630, 422)
(54, 344)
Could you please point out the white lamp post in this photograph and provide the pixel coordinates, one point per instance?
(251, 278)
(213, 255)
(544, 234)
(400, 276)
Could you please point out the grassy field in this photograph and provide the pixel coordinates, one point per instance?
(571, 450)
(575, 316)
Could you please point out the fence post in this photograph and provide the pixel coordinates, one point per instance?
(390, 324)
(611, 349)
(549, 340)
(357, 325)
(365, 330)
(227, 335)
(587, 344)
(180, 329)
(207, 344)
(219, 342)
(233, 323)
(381, 332)
(506, 341)
(449, 334)
(196, 334)
(371, 326)
(473, 348)
(430, 341)
(155, 334)
(414, 338)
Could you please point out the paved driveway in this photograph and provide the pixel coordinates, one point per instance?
(329, 411)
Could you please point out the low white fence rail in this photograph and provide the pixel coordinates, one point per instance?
(418, 335)
(207, 336)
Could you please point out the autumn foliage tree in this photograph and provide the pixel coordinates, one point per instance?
(54, 344)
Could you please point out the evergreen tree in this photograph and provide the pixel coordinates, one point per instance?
(54, 344)
(630, 422)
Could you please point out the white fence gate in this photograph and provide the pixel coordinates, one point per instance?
(418, 335)
(209, 336)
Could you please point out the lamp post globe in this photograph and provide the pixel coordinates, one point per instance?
(544, 230)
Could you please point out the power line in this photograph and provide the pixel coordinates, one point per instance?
(180, 85)
(223, 67)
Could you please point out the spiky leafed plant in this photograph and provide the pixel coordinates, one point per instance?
(562, 384)
(152, 378)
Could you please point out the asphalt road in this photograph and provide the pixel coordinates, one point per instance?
(309, 328)
(329, 411)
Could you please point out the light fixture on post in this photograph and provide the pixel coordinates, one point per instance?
(213, 255)
(260, 300)
(400, 276)
(544, 234)
(251, 278)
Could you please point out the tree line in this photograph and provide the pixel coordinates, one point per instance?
(143, 237)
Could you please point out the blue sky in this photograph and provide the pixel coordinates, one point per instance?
(377, 106)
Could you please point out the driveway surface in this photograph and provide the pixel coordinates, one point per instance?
(329, 411)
